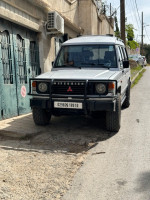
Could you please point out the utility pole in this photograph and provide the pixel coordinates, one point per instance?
(142, 36)
(122, 20)
(110, 9)
(110, 18)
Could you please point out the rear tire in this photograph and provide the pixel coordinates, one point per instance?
(126, 103)
(113, 118)
(41, 116)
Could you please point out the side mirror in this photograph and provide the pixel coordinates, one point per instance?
(125, 64)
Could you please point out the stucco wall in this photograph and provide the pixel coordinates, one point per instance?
(105, 26)
(65, 8)
(94, 20)
(32, 14)
(84, 16)
(90, 21)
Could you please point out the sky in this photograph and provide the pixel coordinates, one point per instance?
(133, 10)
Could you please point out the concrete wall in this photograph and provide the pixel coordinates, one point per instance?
(91, 22)
(133, 51)
(80, 18)
(85, 19)
(106, 25)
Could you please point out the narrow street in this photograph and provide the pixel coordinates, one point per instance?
(119, 168)
(74, 158)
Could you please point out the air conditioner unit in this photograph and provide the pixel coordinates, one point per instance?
(55, 23)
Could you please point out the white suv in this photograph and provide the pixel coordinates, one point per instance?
(90, 74)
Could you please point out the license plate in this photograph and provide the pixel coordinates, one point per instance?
(68, 105)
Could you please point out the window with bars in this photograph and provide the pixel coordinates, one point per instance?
(34, 58)
(6, 57)
(21, 60)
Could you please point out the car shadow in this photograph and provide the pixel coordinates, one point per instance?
(143, 184)
(67, 134)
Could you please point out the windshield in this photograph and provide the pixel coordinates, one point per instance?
(99, 56)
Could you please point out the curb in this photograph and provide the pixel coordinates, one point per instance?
(132, 81)
(20, 127)
(18, 135)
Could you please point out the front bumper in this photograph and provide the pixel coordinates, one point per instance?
(89, 105)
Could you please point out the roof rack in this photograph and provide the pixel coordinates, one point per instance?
(120, 40)
(111, 35)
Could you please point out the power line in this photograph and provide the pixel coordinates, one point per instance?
(146, 33)
(134, 8)
(137, 10)
(131, 13)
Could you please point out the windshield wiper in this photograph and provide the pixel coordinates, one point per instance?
(97, 64)
(88, 64)
(68, 66)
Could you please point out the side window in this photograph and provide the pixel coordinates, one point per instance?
(122, 53)
(125, 53)
(120, 56)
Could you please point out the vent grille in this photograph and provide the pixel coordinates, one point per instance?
(55, 23)
(51, 21)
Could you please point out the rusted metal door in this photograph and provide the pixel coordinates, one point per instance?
(19, 61)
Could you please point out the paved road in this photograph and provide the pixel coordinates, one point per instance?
(119, 167)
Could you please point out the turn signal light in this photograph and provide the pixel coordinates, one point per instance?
(111, 86)
(34, 84)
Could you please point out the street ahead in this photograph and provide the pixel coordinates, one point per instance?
(119, 168)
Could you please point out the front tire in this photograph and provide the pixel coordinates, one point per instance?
(113, 118)
(41, 116)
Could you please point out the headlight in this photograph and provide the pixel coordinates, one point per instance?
(100, 88)
(42, 87)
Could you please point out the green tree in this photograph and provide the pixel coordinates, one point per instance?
(146, 52)
(117, 32)
(130, 32)
(130, 37)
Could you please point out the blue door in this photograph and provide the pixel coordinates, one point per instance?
(19, 61)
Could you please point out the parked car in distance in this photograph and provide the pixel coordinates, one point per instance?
(145, 61)
(138, 58)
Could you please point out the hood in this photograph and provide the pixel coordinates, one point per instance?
(79, 74)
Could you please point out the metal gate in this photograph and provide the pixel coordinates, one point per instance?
(19, 61)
